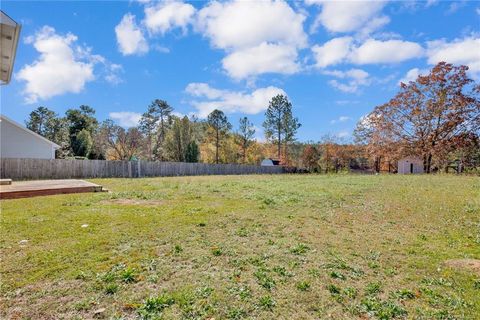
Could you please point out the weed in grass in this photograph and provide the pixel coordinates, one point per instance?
(241, 291)
(202, 224)
(350, 292)
(128, 275)
(266, 302)
(282, 271)
(337, 275)
(476, 284)
(177, 249)
(403, 294)
(111, 288)
(109, 276)
(84, 304)
(82, 276)
(333, 289)
(299, 249)
(153, 306)
(391, 272)
(236, 313)
(268, 201)
(264, 279)
(383, 310)
(217, 251)
(436, 282)
(373, 288)
(314, 272)
(242, 232)
(204, 292)
(303, 285)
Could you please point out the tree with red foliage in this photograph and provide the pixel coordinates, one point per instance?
(427, 117)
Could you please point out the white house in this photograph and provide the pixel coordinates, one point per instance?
(410, 165)
(16, 141)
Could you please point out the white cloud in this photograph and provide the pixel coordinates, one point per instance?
(112, 75)
(130, 37)
(342, 49)
(59, 69)
(230, 101)
(340, 119)
(343, 134)
(257, 36)
(460, 51)
(167, 15)
(265, 58)
(126, 119)
(390, 51)
(355, 79)
(243, 24)
(350, 16)
(412, 75)
(332, 52)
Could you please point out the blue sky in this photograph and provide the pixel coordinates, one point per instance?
(334, 60)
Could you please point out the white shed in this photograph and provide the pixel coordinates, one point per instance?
(410, 165)
(16, 141)
(269, 162)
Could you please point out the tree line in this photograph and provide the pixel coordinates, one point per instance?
(436, 118)
(163, 136)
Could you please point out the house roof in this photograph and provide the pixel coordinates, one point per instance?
(10, 31)
(18, 125)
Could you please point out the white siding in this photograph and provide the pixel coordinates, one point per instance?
(18, 143)
(407, 165)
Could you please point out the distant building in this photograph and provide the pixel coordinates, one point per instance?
(270, 162)
(410, 165)
(16, 141)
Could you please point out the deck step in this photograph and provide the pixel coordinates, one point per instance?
(26, 189)
(5, 182)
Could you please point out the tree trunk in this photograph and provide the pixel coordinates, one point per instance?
(429, 163)
(216, 148)
(279, 146)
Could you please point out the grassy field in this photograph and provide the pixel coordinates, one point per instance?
(233, 247)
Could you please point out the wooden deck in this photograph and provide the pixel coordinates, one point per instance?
(25, 189)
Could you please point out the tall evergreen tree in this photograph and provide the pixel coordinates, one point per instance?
(220, 126)
(164, 113)
(81, 119)
(245, 136)
(148, 125)
(280, 124)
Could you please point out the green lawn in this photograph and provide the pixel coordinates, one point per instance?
(232, 247)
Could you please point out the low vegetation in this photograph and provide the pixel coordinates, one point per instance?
(263, 247)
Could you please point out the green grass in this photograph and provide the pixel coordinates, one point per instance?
(235, 247)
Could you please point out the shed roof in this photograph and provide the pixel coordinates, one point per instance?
(18, 125)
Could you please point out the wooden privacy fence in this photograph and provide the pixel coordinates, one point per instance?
(32, 169)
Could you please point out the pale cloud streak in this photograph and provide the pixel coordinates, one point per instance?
(206, 99)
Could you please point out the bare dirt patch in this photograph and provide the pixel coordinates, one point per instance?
(135, 202)
(472, 265)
